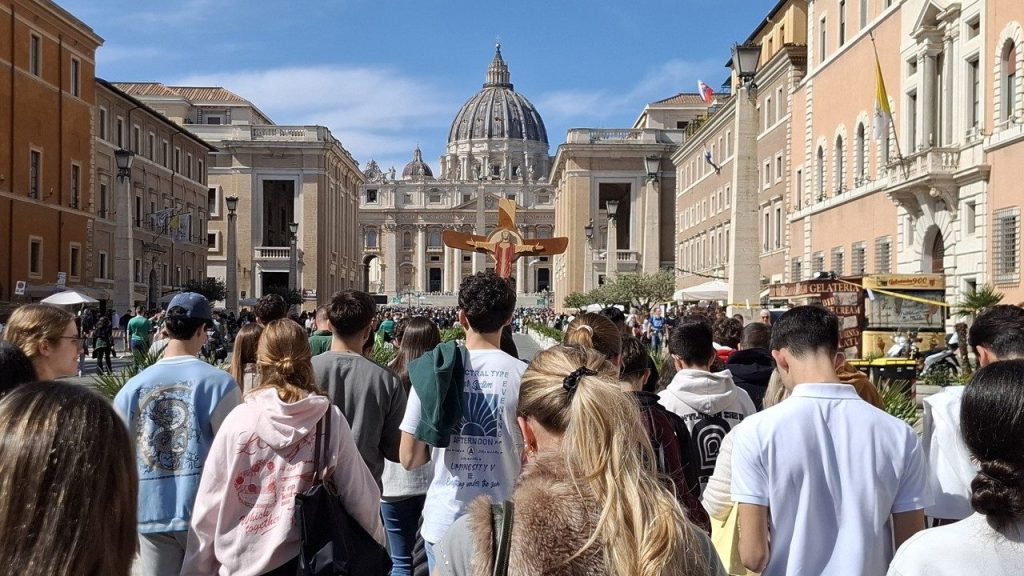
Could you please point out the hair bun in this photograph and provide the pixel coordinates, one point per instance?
(998, 491)
(285, 366)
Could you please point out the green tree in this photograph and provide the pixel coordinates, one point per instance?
(291, 297)
(212, 288)
(576, 300)
(642, 291)
(970, 305)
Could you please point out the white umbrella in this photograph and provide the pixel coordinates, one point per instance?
(69, 298)
(712, 290)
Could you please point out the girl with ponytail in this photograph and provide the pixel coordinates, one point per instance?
(991, 541)
(589, 501)
(262, 457)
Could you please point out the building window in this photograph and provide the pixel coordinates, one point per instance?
(820, 180)
(76, 186)
(103, 201)
(970, 216)
(151, 146)
(822, 39)
(211, 241)
(766, 230)
(104, 269)
(840, 174)
(103, 123)
(795, 270)
(177, 160)
(857, 259)
(1008, 80)
(768, 110)
(76, 77)
(213, 202)
(119, 136)
(371, 196)
(798, 202)
(136, 139)
(912, 120)
(863, 14)
(778, 167)
(860, 156)
(201, 172)
(35, 164)
(883, 254)
(75, 260)
(435, 198)
(766, 175)
(728, 144)
(138, 270)
(1006, 245)
(974, 94)
(35, 256)
(165, 148)
(777, 241)
(407, 240)
(842, 22)
(35, 54)
(837, 262)
(188, 166)
(138, 211)
(371, 238)
(817, 263)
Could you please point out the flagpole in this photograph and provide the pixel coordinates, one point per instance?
(895, 133)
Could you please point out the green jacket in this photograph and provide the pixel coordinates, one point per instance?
(320, 341)
(439, 377)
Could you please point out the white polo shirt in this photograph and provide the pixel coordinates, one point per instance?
(948, 458)
(831, 468)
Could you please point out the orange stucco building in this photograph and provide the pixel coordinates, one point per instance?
(47, 68)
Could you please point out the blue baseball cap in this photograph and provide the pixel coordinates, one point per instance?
(195, 305)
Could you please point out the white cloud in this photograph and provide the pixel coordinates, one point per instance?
(375, 112)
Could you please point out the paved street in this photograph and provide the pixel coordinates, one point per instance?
(527, 346)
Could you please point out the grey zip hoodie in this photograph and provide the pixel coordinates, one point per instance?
(713, 393)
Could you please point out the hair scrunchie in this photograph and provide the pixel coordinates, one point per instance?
(571, 381)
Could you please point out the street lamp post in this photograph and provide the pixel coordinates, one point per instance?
(232, 255)
(611, 258)
(293, 260)
(651, 259)
(124, 247)
(588, 257)
(744, 260)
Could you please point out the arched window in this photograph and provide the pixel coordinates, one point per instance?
(434, 239)
(840, 174)
(820, 180)
(860, 155)
(1008, 82)
(406, 239)
(371, 238)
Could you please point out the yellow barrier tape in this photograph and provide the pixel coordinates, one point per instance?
(897, 294)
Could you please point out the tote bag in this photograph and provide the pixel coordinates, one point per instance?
(725, 537)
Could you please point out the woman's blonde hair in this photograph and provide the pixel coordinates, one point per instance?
(283, 360)
(596, 332)
(776, 391)
(68, 484)
(246, 345)
(641, 527)
(32, 324)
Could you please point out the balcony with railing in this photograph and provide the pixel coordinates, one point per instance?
(925, 176)
(624, 136)
(262, 133)
(627, 260)
(274, 253)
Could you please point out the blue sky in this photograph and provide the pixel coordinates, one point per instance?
(386, 75)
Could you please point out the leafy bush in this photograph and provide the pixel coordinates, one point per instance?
(545, 330)
(110, 384)
(898, 402)
(384, 353)
(453, 333)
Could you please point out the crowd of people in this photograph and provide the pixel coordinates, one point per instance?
(753, 448)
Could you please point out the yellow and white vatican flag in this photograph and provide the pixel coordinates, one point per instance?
(883, 114)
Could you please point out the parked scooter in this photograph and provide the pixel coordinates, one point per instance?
(942, 359)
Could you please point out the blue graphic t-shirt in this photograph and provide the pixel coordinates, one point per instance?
(173, 410)
(484, 458)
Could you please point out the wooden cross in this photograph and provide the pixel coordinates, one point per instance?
(505, 244)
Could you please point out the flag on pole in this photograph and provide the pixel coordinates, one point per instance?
(711, 161)
(883, 114)
(706, 93)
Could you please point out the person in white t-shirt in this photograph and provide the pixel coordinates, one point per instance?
(997, 334)
(991, 541)
(829, 479)
(483, 457)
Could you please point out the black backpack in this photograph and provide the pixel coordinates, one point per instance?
(700, 446)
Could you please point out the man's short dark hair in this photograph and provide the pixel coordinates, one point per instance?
(634, 358)
(488, 301)
(270, 307)
(1001, 330)
(615, 315)
(693, 342)
(805, 330)
(351, 312)
(180, 326)
(756, 335)
(728, 332)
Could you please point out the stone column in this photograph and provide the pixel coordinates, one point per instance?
(389, 256)
(611, 260)
(421, 258)
(651, 256)
(124, 248)
(446, 270)
(744, 259)
(949, 88)
(520, 275)
(928, 86)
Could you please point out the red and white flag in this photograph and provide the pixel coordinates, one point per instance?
(706, 93)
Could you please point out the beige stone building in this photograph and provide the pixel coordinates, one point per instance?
(497, 148)
(937, 191)
(632, 168)
(281, 175)
(167, 200)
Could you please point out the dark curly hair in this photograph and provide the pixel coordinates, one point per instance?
(269, 308)
(992, 424)
(488, 301)
(728, 332)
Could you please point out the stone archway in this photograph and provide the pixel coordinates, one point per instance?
(373, 275)
(933, 250)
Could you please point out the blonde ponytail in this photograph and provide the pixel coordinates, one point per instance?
(574, 392)
(283, 360)
(594, 331)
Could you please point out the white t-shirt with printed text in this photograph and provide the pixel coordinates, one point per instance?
(483, 459)
(832, 469)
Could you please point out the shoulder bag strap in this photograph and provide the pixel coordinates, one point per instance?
(501, 529)
(326, 457)
(317, 477)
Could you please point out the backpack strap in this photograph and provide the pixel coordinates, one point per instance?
(501, 534)
(321, 448)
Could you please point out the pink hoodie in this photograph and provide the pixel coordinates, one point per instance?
(244, 517)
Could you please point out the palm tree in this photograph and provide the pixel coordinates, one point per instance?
(971, 304)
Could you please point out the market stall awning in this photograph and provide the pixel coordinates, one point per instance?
(711, 290)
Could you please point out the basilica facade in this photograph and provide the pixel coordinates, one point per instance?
(497, 148)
